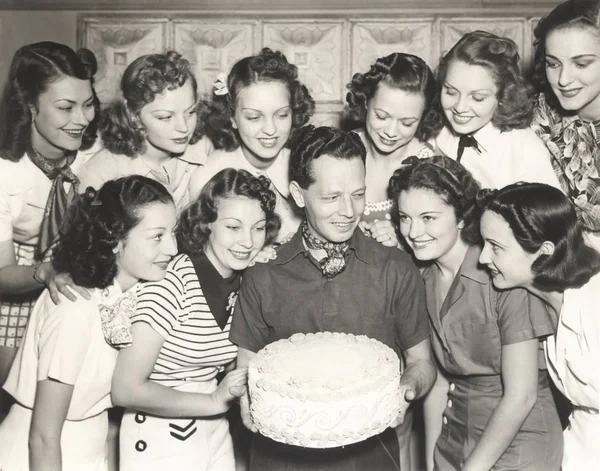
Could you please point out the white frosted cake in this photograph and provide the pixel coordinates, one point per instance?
(324, 390)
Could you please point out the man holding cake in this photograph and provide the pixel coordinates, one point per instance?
(330, 277)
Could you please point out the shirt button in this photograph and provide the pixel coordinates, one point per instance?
(141, 445)
(452, 386)
(445, 420)
(449, 402)
(140, 418)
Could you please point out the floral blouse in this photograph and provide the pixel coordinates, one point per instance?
(575, 148)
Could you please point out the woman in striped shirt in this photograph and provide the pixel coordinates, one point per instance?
(167, 379)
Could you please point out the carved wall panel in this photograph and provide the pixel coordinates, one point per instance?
(327, 51)
(316, 49)
(373, 39)
(117, 42)
(213, 47)
(513, 28)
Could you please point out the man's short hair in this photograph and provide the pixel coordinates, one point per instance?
(310, 143)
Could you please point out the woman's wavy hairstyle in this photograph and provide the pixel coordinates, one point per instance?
(144, 79)
(500, 56)
(536, 213)
(267, 66)
(403, 72)
(450, 181)
(99, 221)
(311, 143)
(569, 14)
(33, 68)
(193, 228)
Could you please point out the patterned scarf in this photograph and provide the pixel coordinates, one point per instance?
(335, 261)
(575, 148)
(58, 200)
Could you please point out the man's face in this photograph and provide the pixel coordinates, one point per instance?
(335, 201)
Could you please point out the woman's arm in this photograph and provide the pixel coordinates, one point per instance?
(15, 279)
(20, 279)
(52, 400)
(433, 410)
(520, 378)
(132, 388)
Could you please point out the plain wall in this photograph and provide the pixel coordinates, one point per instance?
(18, 27)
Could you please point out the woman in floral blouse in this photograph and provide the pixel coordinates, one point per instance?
(567, 117)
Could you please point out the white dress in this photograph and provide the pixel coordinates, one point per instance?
(573, 355)
(63, 342)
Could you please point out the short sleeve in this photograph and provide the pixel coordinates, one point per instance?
(97, 171)
(160, 304)
(249, 329)
(522, 316)
(199, 178)
(412, 320)
(64, 339)
(208, 146)
(6, 222)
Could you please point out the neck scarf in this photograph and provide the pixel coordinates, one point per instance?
(58, 201)
(466, 140)
(335, 261)
(575, 148)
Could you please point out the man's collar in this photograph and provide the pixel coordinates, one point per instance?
(295, 246)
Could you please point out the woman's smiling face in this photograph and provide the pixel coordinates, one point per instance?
(468, 97)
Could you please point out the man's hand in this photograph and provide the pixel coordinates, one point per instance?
(407, 395)
(245, 413)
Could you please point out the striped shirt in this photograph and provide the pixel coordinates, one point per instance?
(195, 347)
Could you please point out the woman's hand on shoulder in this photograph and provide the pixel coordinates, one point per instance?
(59, 283)
(382, 231)
(267, 253)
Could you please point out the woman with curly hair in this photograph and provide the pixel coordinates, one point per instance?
(62, 374)
(394, 102)
(491, 406)
(534, 241)
(47, 127)
(567, 115)
(488, 108)
(167, 380)
(250, 119)
(153, 128)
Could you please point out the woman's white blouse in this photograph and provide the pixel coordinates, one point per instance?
(24, 191)
(573, 357)
(504, 158)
